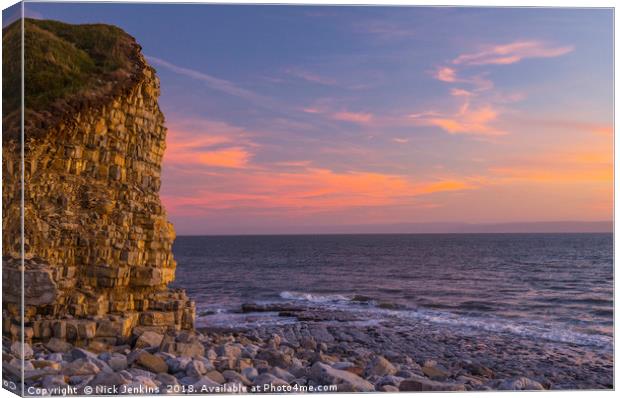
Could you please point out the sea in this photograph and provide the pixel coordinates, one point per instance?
(555, 287)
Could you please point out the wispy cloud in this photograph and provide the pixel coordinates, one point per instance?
(353, 117)
(212, 82)
(448, 74)
(311, 77)
(477, 113)
(385, 29)
(308, 191)
(468, 120)
(568, 124)
(511, 53)
(325, 109)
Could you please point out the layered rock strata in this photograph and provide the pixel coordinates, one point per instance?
(97, 244)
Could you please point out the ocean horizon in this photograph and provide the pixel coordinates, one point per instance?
(429, 228)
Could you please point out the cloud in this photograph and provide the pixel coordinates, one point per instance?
(325, 108)
(445, 74)
(450, 75)
(554, 176)
(476, 121)
(208, 143)
(458, 92)
(385, 30)
(601, 129)
(511, 53)
(468, 120)
(571, 164)
(231, 157)
(353, 117)
(400, 140)
(212, 82)
(311, 77)
(306, 191)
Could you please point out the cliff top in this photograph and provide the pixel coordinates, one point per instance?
(67, 68)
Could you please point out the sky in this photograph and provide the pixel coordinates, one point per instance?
(284, 117)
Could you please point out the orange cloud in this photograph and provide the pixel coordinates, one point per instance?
(568, 166)
(353, 117)
(512, 53)
(230, 157)
(308, 191)
(574, 176)
(209, 143)
(476, 121)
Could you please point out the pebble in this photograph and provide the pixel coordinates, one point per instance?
(365, 358)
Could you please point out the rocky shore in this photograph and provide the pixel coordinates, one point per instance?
(316, 353)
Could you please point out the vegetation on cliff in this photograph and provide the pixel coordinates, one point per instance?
(66, 68)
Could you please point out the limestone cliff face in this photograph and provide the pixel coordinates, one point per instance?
(97, 242)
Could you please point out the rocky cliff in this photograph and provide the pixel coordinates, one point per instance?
(97, 244)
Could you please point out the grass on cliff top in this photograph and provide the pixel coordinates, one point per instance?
(61, 61)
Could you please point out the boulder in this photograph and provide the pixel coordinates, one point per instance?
(141, 385)
(80, 367)
(57, 345)
(249, 373)
(269, 379)
(152, 362)
(419, 383)
(309, 343)
(50, 382)
(435, 372)
(178, 364)
(117, 362)
(216, 376)
(167, 379)
(109, 379)
(282, 374)
(17, 349)
(275, 358)
(205, 382)
(477, 369)
(42, 363)
(389, 380)
(78, 353)
(379, 366)
(520, 383)
(54, 357)
(234, 377)
(192, 349)
(229, 351)
(325, 374)
(149, 339)
(196, 369)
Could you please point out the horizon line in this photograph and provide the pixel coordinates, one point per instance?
(445, 228)
(394, 233)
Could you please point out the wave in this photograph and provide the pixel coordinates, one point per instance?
(527, 329)
(487, 322)
(314, 298)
